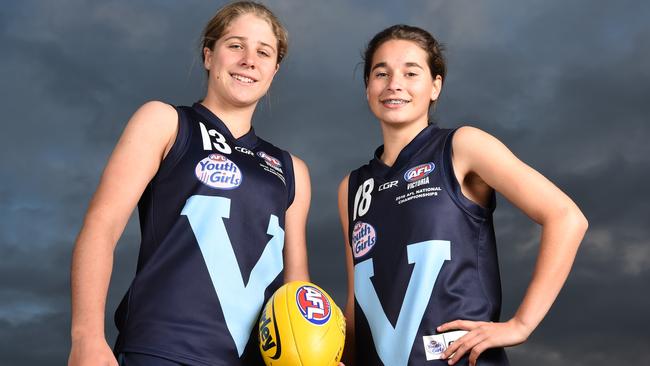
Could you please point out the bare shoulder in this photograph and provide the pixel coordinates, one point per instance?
(468, 136)
(154, 124)
(299, 165)
(343, 186)
(343, 203)
(156, 113)
(302, 180)
(157, 107)
(473, 143)
(343, 195)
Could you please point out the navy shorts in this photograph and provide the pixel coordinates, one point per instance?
(140, 359)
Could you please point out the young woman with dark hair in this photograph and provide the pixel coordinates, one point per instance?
(423, 275)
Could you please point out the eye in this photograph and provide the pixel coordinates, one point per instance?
(381, 74)
(236, 46)
(264, 53)
(411, 74)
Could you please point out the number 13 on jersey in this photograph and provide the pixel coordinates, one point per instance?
(219, 141)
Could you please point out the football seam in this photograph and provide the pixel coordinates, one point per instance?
(295, 343)
(278, 353)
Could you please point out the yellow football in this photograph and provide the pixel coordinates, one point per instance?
(301, 326)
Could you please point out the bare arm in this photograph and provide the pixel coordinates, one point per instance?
(145, 141)
(481, 159)
(348, 354)
(295, 242)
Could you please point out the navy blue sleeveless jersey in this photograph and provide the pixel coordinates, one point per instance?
(212, 223)
(423, 255)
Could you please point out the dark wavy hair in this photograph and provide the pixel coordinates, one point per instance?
(419, 36)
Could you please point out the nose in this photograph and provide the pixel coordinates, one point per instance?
(394, 83)
(248, 59)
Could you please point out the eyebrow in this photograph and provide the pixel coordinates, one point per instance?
(414, 64)
(378, 65)
(246, 39)
(384, 64)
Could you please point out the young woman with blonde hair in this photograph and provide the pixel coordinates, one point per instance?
(222, 215)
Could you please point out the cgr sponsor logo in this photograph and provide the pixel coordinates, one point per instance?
(387, 185)
(364, 238)
(217, 171)
(419, 172)
(313, 305)
(244, 150)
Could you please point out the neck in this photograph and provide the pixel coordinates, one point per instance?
(397, 136)
(237, 119)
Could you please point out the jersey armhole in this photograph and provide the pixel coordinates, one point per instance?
(470, 207)
(352, 184)
(179, 146)
(289, 177)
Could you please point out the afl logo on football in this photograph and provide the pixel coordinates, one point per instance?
(217, 171)
(271, 161)
(363, 239)
(419, 172)
(313, 305)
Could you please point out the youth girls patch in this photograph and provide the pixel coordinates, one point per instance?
(313, 305)
(217, 171)
(270, 160)
(419, 172)
(364, 238)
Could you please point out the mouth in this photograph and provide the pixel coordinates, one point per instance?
(243, 79)
(394, 102)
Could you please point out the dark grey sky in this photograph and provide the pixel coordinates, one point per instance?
(565, 85)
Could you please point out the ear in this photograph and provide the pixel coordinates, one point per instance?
(207, 58)
(277, 67)
(437, 88)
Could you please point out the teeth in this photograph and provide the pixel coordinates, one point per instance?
(395, 101)
(243, 79)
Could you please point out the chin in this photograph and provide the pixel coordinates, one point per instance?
(395, 122)
(395, 118)
(245, 100)
(244, 103)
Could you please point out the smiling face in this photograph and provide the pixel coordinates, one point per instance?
(400, 87)
(243, 62)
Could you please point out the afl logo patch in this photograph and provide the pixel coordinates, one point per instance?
(313, 305)
(419, 172)
(271, 161)
(217, 171)
(363, 239)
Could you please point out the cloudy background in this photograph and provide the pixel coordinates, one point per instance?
(566, 85)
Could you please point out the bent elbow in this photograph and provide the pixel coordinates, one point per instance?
(576, 216)
(579, 222)
(572, 219)
(584, 222)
